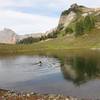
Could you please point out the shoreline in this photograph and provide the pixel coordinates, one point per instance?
(11, 95)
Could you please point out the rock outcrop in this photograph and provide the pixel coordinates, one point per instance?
(66, 20)
(67, 16)
(72, 14)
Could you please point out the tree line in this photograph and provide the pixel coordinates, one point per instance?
(30, 40)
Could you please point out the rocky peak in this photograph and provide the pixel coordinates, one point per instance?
(73, 13)
(68, 16)
(74, 6)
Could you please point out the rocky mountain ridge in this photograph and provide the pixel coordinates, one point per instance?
(68, 18)
(75, 11)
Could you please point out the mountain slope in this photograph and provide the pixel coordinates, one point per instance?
(74, 14)
(88, 41)
(66, 26)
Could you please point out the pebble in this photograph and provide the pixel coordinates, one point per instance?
(32, 94)
(28, 95)
(66, 99)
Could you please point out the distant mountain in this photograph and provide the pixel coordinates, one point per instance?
(7, 36)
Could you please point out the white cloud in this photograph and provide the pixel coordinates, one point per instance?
(28, 23)
(14, 3)
(51, 3)
(24, 23)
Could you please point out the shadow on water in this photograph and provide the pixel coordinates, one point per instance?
(80, 69)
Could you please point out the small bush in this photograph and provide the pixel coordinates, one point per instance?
(84, 25)
(53, 34)
(28, 40)
(68, 30)
(89, 23)
(79, 28)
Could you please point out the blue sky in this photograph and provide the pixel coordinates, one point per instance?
(33, 16)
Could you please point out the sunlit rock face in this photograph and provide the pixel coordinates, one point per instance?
(66, 20)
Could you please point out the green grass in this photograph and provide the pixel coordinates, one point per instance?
(54, 46)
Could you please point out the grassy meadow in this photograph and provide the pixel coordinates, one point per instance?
(54, 46)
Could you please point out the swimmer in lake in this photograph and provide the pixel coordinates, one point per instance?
(40, 63)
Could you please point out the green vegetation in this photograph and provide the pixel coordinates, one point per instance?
(53, 34)
(69, 30)
(54, 46)
(31, 40)
(84, 25)
(79, 28)
(85, 67)
(97, 18)
(89, 23)
(28, 40)
(58, 41)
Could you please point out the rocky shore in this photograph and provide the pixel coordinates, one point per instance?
(10, 95)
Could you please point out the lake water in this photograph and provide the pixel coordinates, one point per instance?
(74, 75)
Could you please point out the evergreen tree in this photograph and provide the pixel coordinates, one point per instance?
(79, 29)
(28, 40)
(84, 25)
(89, 23)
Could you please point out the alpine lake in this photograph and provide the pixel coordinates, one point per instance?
(74, 74)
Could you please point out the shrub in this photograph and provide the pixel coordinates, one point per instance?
(53, 34)
(79, 28)
(89, 23)
(68, 30)
(28, 40)
(84, 25)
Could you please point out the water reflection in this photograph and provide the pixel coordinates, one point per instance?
(80, 69)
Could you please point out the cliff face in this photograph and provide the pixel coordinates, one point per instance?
(73, 13)
(66, 20)
(67, 16)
